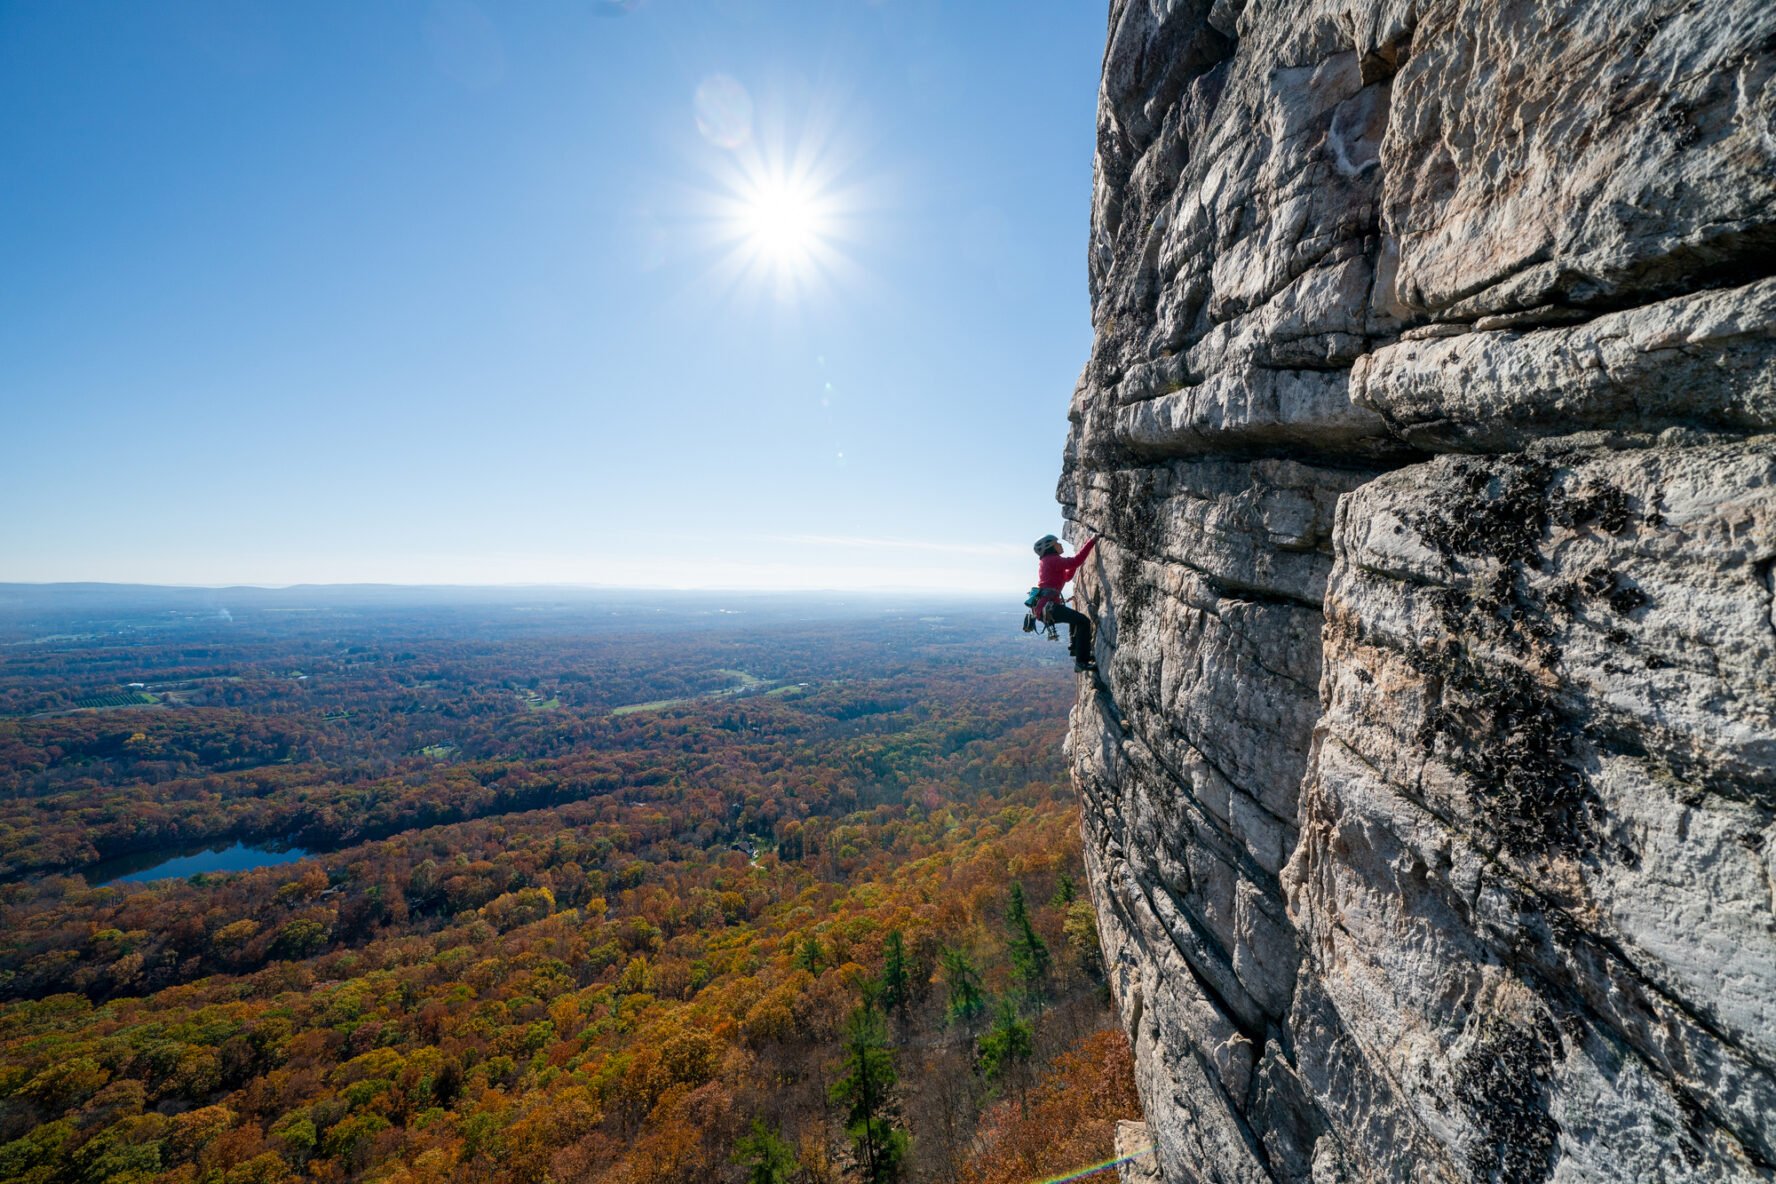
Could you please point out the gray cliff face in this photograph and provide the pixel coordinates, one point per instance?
(1430, 790)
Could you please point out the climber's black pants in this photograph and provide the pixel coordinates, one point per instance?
(1079, 627)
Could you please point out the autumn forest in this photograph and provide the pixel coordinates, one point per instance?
(536, 886)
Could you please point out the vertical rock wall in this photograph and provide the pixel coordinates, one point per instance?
(1429, 785)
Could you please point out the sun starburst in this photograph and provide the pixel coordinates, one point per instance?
(784, 212)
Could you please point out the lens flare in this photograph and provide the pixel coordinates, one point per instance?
(724, 111)
(1091, 1170)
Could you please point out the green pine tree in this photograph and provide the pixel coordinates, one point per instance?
(766, 1157)
(1066, 891)
(967, 1001)
(1009, 1045)
(863, 1088)
(1029, 953)
(896, 982)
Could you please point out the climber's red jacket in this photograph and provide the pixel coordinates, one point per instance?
(1054, 570)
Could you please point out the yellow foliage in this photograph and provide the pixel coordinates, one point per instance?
(194, 1129)
(235, 932)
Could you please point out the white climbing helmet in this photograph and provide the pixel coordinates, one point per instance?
(1044, 543)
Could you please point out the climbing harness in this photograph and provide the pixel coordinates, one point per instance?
(1039, 602)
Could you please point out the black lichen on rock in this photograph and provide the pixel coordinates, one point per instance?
(1604, 506)
(1500, 722)
(1606, 585)
(1502, 728)
(1501, 513)
(1502, 1083)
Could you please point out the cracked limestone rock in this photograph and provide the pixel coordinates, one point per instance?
(1429, 792)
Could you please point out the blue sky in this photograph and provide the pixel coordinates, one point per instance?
(725, 294)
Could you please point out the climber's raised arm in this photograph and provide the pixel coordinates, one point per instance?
(1078, 560)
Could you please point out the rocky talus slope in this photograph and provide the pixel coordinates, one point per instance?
(1429, 780)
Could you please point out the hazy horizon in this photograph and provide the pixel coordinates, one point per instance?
(6, 585)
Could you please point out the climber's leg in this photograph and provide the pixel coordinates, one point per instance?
(1079, 629)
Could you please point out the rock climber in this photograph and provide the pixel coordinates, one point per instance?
(1053, 570)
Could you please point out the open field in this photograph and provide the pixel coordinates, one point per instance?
(744, 684)
(120, 699)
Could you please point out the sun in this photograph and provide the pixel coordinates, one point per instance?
(782, 221)
(782, 227)
(786, 209)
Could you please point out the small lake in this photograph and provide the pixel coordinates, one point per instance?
(178, 863)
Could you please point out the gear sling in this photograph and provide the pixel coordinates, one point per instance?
(1041, 602)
